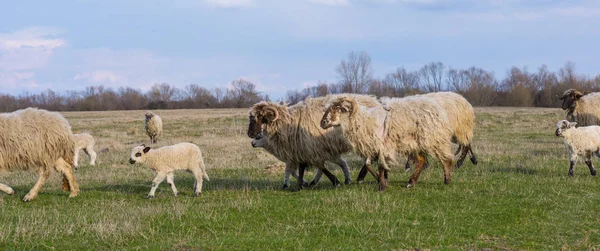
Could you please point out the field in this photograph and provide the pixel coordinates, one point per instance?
(518, 197)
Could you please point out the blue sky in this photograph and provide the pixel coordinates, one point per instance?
(280, 45)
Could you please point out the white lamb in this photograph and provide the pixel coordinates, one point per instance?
(584, 140)
(166, 159)
(86, 142)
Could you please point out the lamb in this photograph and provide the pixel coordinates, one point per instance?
(296, 138)
(154, 127)
(86, 142)
(36, 138)
(583, 140)
(412, 125)
(164, 160)
(581, 108)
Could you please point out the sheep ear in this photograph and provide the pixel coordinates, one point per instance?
(349, 105)
(562, 97)
(572, 124)
(578, 95)
(146, 149)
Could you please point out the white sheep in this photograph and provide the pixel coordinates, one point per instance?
(154, 126)
(581, 108)
(86, 142)
(412, 125)
(164, 160)
(35, 138)
(583, 140)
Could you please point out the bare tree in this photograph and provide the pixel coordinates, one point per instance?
(355, 73)
(243, 93)
(431, 76)
(403, 82)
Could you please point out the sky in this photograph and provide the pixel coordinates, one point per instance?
(280, 45)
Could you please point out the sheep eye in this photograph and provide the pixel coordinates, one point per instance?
(138, 155)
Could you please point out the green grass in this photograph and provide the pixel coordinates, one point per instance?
(518, 197)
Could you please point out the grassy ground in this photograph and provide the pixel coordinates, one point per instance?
(518, 197)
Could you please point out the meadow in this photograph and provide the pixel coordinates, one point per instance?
(518, 197)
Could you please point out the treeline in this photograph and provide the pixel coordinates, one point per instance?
(520, 87)
(242, 93)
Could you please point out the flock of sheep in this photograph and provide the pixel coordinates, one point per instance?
(312, 132)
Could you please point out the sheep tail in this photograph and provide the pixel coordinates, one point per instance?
(204, 174)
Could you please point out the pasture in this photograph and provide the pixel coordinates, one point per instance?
(518, 197)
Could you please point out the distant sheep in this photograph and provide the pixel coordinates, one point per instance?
(86, 142)
(35, 138)
(584, 140)
(164, 160)
(413, 125)
(581, 108)
(154, 126)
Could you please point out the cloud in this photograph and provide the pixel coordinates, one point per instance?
(330, 2)
(17, 80)
(229, 3)
(100, 76)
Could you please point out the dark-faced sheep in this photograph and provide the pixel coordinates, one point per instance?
(154, 126)
(34, 138)
(581, 108)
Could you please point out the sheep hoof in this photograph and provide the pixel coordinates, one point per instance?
(570, 173)
(150, 197)
(593, 172)
(474, 160)
(360, 181)
(409, 185)
(28, 197)
(73, 194)
(458, 164)
(311, 184)
(285, 186)
(10, 191)
(347, 181)
(175, 195)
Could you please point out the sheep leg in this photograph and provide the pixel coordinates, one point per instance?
(421, 159)
(588, 162)
(316, 178)
(170, 181)
(300, 182)
(286, 176)
(341, 162)
(367, 167)
(92, 154)
(198, 183)
(332, 178)
(76, 159)
(382, 178)
(572, 162)
(67, 171)
(157, 180)
(473, 157)
(463, 155)
(43, 175)
(6, 189)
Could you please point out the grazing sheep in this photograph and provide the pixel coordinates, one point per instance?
(261, 141)
(164, 160)
(412, 125)
(584, 140)
(581, 108)
(86, 142)
(462, 120)
(35, 138)
(296, 138)
(154, 127)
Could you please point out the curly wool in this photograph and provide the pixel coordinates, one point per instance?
(153, 126)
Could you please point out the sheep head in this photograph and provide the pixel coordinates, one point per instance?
(137, 153)
(149, 116)
(335, 109)
(564, 125)
(261, 114)
(261, 140)
(569, 98)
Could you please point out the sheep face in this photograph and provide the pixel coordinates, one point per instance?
(570, 98)
(333, 111)
(137, 154)
(564, 125)
(260, 140)
(261, 115)
(149, 116)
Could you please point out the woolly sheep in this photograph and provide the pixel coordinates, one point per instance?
(154, 126)
(86, 142)
(462, 120)
(584, 140)
(290, 168)
(581, 108)
(412, 125)
(296, 137)
(164, 160)
(35, 138)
